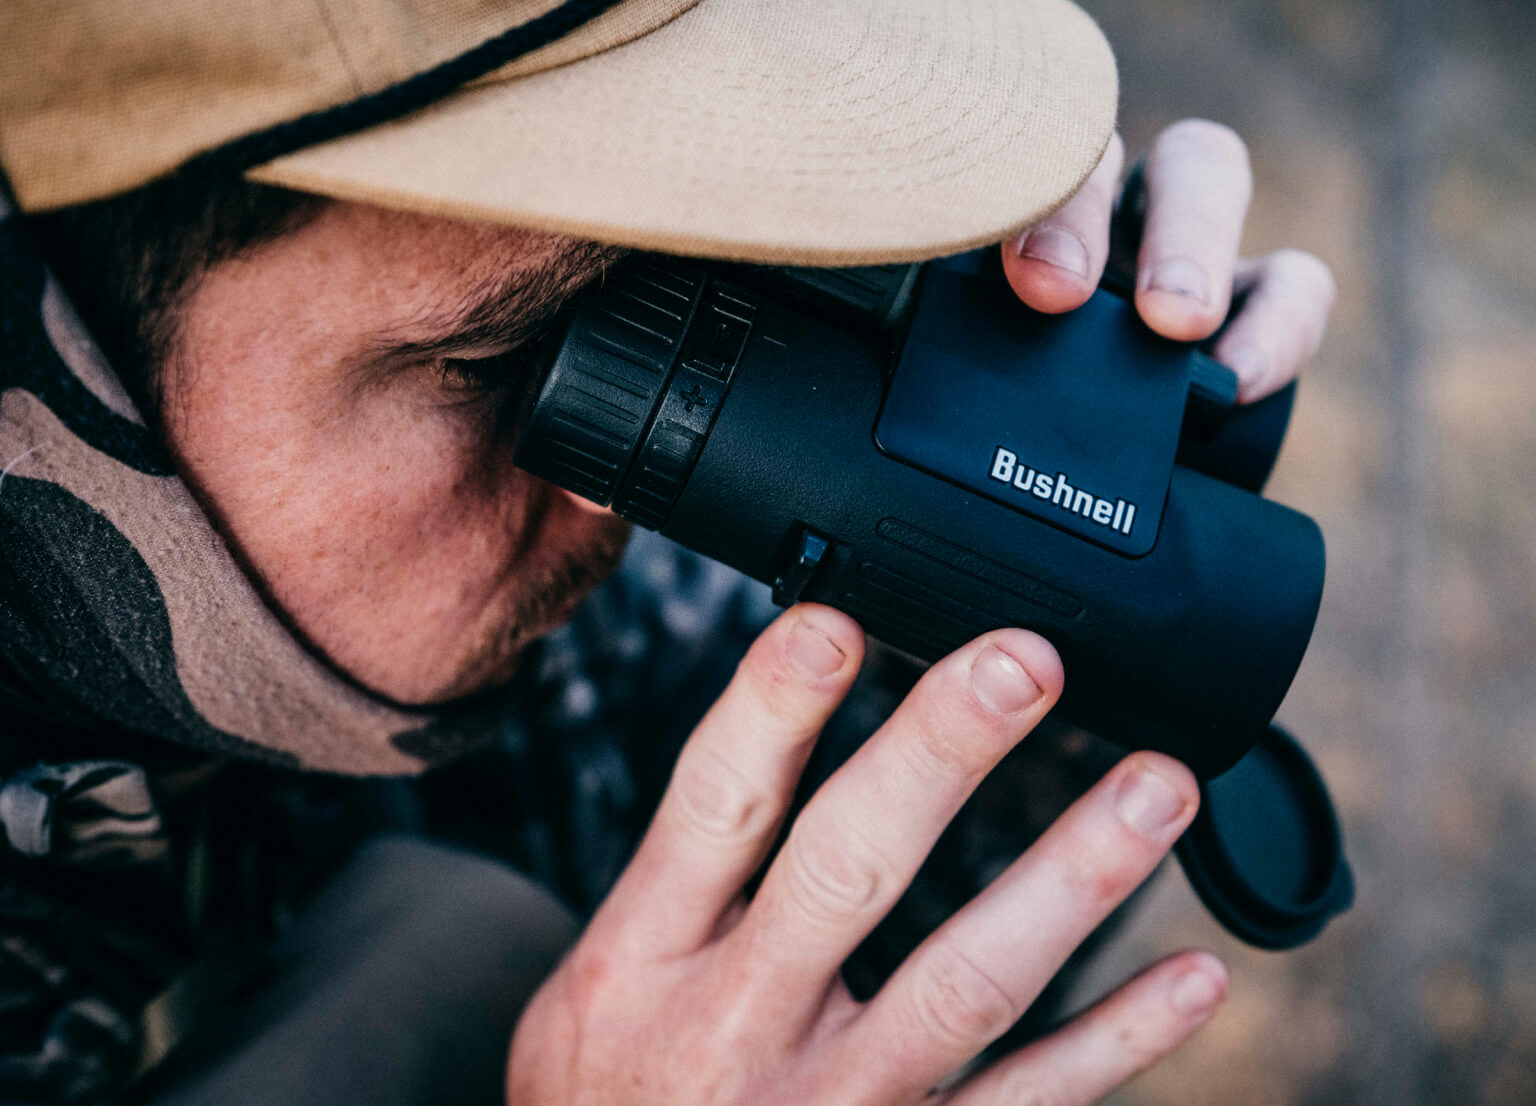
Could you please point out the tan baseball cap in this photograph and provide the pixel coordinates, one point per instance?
(801, 131)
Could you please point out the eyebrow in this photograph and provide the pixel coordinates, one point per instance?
(506, 310)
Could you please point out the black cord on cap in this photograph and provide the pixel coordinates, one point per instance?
(409, 95)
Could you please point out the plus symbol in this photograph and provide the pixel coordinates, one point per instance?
(693, 397)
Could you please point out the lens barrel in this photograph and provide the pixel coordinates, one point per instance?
(829, 433)
(694, 403)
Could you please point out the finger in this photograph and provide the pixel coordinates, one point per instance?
(974, 976)
(1198, 184)
(1129, 1032)
(1281, 323)
(863, 835)
(1056, 264)
(732, 784)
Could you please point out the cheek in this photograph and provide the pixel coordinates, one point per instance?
(419, 495)
(419, 515)
(397, 540)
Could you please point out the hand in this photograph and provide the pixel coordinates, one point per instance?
(1198, 185)
(683, 990)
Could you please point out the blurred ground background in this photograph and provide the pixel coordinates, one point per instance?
(1397, 139)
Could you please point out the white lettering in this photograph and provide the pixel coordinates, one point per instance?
(1063, 495)
(1119, 515)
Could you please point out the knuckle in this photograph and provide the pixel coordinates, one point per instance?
(1310, 270)
(952, 736)
(959, 1004)
(1103, 873)
(1093, 200)
(1138, 1044)
(830, 879)
(1088, 208)
(1206, 138)
(955, 746)
(588, 980)
(1203, 234)
(715, 799)
(708, 1065)
(775, 692)
(1032, 1086)
(1105, 178)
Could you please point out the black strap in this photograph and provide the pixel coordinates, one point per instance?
(409, 95)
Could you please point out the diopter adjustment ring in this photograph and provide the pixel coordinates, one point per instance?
(721, 325)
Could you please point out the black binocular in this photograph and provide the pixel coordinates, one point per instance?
(912, 445)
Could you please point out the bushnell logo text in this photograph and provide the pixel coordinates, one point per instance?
(1116, 514)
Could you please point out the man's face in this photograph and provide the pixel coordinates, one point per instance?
(342, 400)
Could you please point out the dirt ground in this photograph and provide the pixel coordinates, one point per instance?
(1398, 141)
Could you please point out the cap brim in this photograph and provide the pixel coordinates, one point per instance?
(798, 132)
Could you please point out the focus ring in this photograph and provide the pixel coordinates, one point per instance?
(596, 404)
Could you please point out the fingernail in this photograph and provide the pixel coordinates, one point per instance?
(1001, 683)
(813, 652)
(1056, 246)
(1180, 277)
(1148, 803)
(1200, 990)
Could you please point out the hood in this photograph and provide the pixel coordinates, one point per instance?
(121, 607)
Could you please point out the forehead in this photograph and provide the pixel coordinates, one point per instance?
(384, 277)
(312, 309)
(417, 254)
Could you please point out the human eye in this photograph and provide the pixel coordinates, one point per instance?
(478, 375)
(507, 371)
